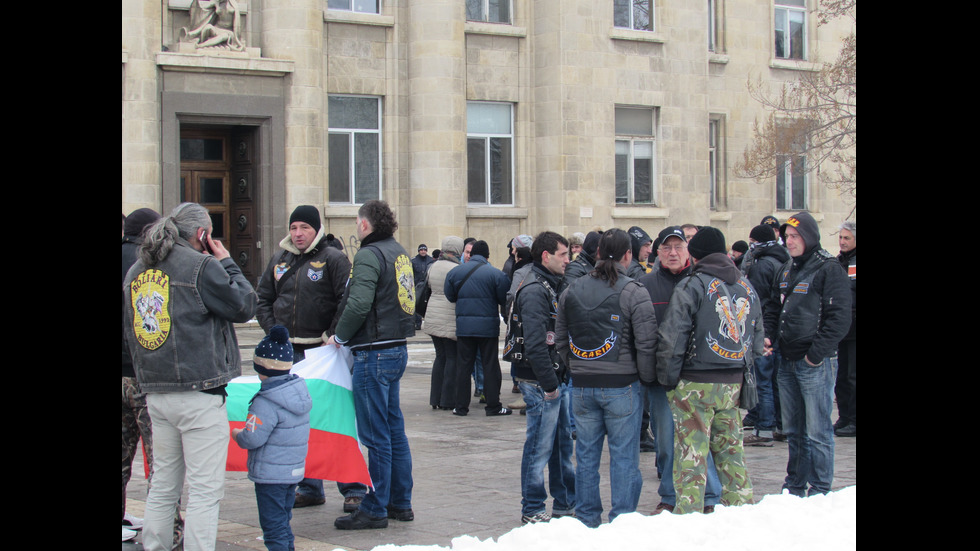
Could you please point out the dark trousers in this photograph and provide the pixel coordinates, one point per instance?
(467, 348)
(846, 387)
(442, 387)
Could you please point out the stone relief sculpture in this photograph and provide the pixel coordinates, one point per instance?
(214, 24)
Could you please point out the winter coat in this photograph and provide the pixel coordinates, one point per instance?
(479, 300)
(301, 290)
(536, 309)
(440, 314)
(277, 431)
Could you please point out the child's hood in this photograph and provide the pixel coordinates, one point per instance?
(288, 392)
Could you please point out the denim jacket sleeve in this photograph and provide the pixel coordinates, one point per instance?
(225, 291)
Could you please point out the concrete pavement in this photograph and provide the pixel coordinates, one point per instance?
(466, 471)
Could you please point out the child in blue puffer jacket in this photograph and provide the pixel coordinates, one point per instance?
(276, 435)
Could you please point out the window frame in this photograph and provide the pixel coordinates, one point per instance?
(620, 4)
(353, 8)
(488, 172)
(714, 156)
(631, 140)
(781, 14)
(352, 134)
(485, 12)
(786, 182)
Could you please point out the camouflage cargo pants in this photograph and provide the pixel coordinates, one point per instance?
(136, 426)
(707, 420)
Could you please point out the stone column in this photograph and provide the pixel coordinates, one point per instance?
(141, 39)
(436, 133)
(293, 30)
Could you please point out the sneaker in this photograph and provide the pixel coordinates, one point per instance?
(359, 520)
(847, 430)
(303, 500)
(748, 423)
(131, 522)
(403, 515)
(501, 411)
(477, 393)
(661, 507)
(352, 503)
(756, 440)
(483, 399)
(460, 412)
(128, 534)
(708, 509)
(543, 516)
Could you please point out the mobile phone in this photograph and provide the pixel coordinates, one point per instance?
(203, 238)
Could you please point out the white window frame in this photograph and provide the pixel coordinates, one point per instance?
(786, 183)
(488, 168)
(629, 144)
(782, 12)
(354, 6)
(714, 156)
(353, 170)
(485, 10)
(712, 26)
(620, 5)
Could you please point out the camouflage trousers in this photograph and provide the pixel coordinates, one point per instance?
(707, 420)
(136, 426)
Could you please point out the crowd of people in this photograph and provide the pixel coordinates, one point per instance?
(614, 337)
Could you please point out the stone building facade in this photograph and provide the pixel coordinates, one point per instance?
(483, 118)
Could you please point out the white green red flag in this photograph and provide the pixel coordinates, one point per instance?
(334, 452)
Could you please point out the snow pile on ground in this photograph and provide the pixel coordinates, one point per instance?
(785, 522)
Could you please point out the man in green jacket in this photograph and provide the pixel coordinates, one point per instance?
(378, 311)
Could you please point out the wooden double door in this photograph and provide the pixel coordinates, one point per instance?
(217, 171)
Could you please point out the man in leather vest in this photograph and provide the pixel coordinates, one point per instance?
(810, 314)
(378, 311)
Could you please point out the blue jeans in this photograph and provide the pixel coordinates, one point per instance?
(764, 413)
(381, 428)
(613, 414)
(662, 423)
(275, 502)
(807, 399)
(548, 442)
(313, 487)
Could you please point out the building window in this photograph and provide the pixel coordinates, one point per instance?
(354, 148)
(790, 24)
(357, 6)
(633, 14)
(791, 182)
(712, 26)
(714, 138)
(490, 153)
(635, 155)
(491, 11)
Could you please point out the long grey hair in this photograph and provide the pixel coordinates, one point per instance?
(161, 236)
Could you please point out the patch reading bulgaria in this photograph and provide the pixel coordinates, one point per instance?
(150, 293)
(595, 352)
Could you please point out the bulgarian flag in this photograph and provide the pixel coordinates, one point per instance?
(334, 451)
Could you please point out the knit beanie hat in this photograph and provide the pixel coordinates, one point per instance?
(138, 220)
(274, 354)
(763, 233)
(522, 240)
(740, 246)
(591, 243)
(806, 226)
(308, 214)
(708, 240)
(480, 248)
